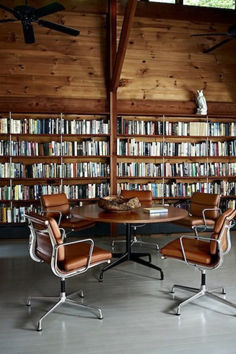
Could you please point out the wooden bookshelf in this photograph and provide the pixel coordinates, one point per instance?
(87, 158)
(177, 155)
(51, 153)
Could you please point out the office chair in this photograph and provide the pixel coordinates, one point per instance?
(204, 254)
(57, 206)
(65, 259)
(203, 212)
(145, 198)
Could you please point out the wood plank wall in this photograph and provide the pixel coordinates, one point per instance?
(63, 73)
(56, 65)
(164, 62)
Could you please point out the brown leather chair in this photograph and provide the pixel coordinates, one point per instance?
(57, 206)
(203, 213)
(65, 259)
(204, 254)
(145, 198)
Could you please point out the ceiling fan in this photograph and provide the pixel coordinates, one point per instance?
(27, 14)
(230, 35)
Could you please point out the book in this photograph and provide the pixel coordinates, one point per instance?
(156, 210)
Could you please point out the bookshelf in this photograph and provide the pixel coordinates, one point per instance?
(175, 156)
(51, 153)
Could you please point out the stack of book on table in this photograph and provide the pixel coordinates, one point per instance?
(158, 209)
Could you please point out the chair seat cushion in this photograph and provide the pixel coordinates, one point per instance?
(196, 251)
(190, 221)
(76, 256)
(76, 223)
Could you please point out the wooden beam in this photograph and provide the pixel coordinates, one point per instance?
(112, 8)
(152, 107)
(113, 34)
(124, 37)
(90, 106)
(112, 94)
(91, 6)
(53, 105)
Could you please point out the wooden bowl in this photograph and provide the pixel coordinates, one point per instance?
(118, 203)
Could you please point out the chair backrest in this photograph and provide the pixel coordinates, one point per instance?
(57, 202)
(200, 201)
(221, 231)
(145, 197)
(45, 235)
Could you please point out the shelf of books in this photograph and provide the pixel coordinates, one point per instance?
(174, 156)
(51, 153)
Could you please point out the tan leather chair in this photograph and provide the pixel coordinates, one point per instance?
(57, 206)
(204, 254)
(65, 259)
(203, 213)
(145, 198)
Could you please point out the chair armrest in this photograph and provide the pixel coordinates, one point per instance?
(88, 240)
(63, 233)
(54, 211)
(209, 209)
(199, 238)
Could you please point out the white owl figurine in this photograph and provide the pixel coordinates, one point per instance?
(201, 103)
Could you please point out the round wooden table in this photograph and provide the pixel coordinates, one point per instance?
(136, 216)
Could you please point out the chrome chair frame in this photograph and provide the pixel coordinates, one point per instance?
(63, 297)
(44, 212)
(203, 290)
(204, 227)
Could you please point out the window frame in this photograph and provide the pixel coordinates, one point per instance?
(181, 2)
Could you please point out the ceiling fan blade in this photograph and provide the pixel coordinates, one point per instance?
(7, 9)
(60, 28)
(8, 20)
(218, 45)
(209, 34)
(28, 32)
(49, 9)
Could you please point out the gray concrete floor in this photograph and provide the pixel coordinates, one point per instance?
(137, 307)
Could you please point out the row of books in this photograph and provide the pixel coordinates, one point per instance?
(77, 191)
(91, 190)
(54, 170)
(54, 126)
(158, 148)
(54, 148)
(173, 189)
(16, 214)
(162, 127)
(222, 148)
(12, 170)
(67, 170)
(184, 169)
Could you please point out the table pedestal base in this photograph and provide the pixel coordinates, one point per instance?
(129, 256)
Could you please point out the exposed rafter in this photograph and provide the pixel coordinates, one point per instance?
(124, 37)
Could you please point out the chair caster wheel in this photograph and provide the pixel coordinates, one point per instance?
(100, 278)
